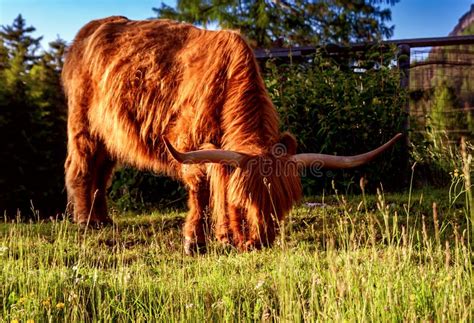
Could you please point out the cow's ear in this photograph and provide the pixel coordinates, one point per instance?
(289, 141)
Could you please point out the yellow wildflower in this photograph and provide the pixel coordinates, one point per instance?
(60, 306)
(14, 321)
(47, 302)
(30, 321)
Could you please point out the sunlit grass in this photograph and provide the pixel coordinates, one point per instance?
(339, 261)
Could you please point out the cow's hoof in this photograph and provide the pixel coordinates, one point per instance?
(106, 221)
(226, 245)
(192, 248)
(96, 223)
(250, 245)
(224, 241)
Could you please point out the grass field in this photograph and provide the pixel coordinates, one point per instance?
(379, 258)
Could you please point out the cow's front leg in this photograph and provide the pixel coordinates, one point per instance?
(237, 226)
(195, 227)
(261, 230)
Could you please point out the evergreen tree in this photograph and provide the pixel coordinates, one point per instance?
(49, 130)
(3, 55)
(446, 112)
(32, 118)
(3, 67)
(20, 48)
(276, 22)
(18, 39)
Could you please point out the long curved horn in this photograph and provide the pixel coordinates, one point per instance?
(335, 162)
(220, 156)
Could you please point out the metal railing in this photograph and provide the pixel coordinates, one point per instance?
(297, 51)
(450, 56)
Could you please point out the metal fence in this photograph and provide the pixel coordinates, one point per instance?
(438, 74)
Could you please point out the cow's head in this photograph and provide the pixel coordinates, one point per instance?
(262, 188)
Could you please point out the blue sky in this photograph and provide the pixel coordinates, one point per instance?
(412, 18)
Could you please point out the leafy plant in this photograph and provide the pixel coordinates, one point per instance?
(345, 107)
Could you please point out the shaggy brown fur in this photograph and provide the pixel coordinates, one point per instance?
(129, 83)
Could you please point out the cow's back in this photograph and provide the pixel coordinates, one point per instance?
(135, 81)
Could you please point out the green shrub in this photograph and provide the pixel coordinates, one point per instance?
(333, 107)
(134, 190)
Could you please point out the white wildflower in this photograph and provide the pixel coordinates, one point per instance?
(259, 284)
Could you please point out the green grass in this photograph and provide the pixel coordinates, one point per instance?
(348, 261)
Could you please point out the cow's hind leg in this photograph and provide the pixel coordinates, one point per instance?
(196, 225)
(102, 170)
(85, 167)
(79, 176)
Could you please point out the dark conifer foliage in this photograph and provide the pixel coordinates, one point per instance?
(272, 23)
(32, 122)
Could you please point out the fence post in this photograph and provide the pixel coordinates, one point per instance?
(403, 61)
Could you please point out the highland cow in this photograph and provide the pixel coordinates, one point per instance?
(190, 103)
